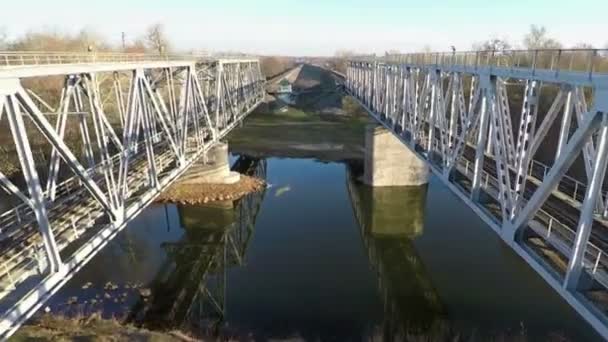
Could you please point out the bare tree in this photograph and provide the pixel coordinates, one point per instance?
(137, 46)
(392, 52)
(583, 46)
(91, 40)
(56, 41)
(156, 39)
(3, 38)
(344, 53)
(537, 39)
(494, 44)
(339, 61)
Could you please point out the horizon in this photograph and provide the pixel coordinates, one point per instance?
(315, 28)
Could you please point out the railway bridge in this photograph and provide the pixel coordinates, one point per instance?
(91, 140)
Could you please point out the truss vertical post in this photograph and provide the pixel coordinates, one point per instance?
(433, 109)
(98, 116)
(129, 138)
(84, 129)
(144, 110)
(564, 128)
(118, 94)
(405, 100)
(218, 94)
(482, 137)
(501, 155)
(454, 108)
(62, 112)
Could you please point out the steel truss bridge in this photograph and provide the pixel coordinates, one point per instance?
(484, 121)
(92, 139)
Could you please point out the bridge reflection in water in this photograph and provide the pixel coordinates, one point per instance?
(389, 219)
(189, 291)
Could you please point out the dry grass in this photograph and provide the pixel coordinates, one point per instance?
(205, 193)
(90, 328)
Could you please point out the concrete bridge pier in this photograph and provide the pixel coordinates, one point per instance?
(216, 169)
(388, 162)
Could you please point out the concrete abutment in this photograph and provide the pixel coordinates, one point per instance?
(389, 162)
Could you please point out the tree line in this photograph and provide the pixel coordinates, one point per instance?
(537, 38)
(153, 40)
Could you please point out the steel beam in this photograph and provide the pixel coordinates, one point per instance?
(583, 231)
(32, 180)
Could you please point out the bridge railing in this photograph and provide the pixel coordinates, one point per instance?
(25, 58)
(589, 61)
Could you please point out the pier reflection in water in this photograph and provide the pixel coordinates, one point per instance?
(389, 219)
(168, 269)
(189, 293)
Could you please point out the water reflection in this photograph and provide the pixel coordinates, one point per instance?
(305, 273)
(189, 291)
(389, 219)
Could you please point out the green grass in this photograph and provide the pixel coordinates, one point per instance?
(297, 126)
(284, 134)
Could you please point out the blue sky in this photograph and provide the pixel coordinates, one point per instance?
(317, 27)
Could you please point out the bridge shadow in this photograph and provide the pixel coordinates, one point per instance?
(390, 218)
(189, 292)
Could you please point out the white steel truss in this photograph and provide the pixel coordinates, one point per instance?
(117, 131)
(456, 111)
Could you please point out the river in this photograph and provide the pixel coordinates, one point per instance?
(320, 256)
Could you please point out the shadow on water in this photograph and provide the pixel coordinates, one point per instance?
(389, 219)
(167, 270)
(190, 290)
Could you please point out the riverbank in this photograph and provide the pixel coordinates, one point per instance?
(93, 328)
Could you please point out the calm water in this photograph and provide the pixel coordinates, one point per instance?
(320, 256)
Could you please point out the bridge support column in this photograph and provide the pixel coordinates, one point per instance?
(215, 169)
(389, 162)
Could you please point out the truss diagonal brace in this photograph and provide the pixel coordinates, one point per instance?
(561, 165)
(33, 182)
(585, 223)
(47, 130)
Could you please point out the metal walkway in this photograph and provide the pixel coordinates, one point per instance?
(119, 129)
(518, 172)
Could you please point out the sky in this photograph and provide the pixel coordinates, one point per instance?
(316, 27)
